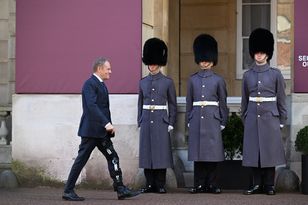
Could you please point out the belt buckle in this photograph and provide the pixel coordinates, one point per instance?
(258, 99)
(152, 107)
(203, 103)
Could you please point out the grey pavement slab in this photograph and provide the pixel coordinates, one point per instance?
(48, 196)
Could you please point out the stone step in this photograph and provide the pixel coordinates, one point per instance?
(188, 179)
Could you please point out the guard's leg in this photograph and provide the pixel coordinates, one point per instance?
(199, 178)
(149, 176)
(160, 180)
(269, 180)
(212, 177)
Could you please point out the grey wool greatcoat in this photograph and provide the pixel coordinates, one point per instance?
(262, 135)
(204, 136)
(155, 145)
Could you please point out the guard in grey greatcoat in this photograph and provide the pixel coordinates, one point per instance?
(264, 113)
(206, 116)
(156, 117)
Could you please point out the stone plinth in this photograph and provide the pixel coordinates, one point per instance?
(299, 119)
(5, 154)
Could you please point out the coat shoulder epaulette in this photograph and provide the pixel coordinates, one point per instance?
(196, 73)
(169, 78)
(275, 69)
(217, 75)
(247, 72)
(144, 77)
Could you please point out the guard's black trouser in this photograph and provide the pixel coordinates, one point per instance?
(263, 176)
(205, 173)
(85, 149)
(155, 177)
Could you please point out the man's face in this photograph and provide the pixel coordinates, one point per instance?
(104, 71)
(153, 69)
(261, 58)
(205, 64)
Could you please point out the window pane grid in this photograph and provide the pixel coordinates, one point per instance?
(256, 1)
(255, 14)
(256, 4)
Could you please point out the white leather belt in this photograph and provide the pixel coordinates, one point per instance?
(205, 103)
(262, 99)
(154, 107)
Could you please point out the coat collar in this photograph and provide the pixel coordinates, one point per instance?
(205, 73)
(260, 68)
(100, 80)
(156, 76)
(97, 80)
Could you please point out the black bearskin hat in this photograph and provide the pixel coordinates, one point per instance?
(205, 49)
(261, 40)
(155, 52)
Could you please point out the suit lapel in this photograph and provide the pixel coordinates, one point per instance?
(103, 88)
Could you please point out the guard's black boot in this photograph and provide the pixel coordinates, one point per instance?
(213, 189)
(256, 189)
(148, 189)
(124, 192)
(198, 189)
(162, 190)
(269, 190)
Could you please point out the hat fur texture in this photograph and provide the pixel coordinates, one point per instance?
(155, 52)
(205, 49)
(261, 40)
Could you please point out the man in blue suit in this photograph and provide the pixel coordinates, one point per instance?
(95, 130)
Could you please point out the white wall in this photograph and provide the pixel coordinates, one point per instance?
(45, 135)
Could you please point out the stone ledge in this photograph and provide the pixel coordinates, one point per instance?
(5, 166)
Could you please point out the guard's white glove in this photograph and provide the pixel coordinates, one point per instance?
(281, 125)
(187, 124)
(170, 128)
(222, 127)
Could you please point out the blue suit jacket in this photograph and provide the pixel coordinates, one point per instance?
(95, 105)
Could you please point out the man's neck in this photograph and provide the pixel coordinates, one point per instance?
(97, 76)
(154, 72)
(261, 63)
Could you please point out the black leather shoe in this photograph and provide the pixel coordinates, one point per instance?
(213, 189)
(147, 189)
(72, 196)
(198, 189)
(256, 189)
(124, 192)
(162, 190)
(270, 190)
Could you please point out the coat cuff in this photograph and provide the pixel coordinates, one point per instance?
(107, 124)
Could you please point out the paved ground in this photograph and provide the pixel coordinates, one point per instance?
(48, 196)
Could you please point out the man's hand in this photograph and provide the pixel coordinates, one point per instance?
(170, 128)
(109, 128)
(222, 127)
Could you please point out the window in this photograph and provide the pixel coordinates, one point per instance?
(252, 14)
